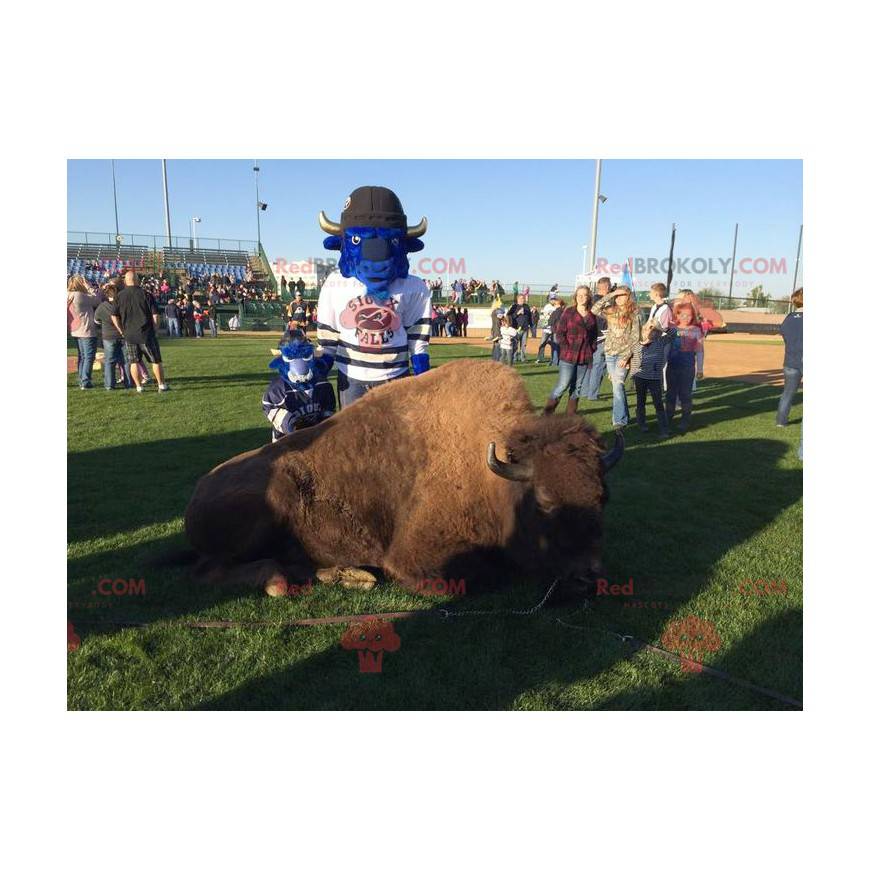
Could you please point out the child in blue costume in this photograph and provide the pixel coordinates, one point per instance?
(299, 395)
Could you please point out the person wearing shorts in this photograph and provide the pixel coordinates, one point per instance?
(135, 316)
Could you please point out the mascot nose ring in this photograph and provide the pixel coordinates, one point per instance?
(376, 249)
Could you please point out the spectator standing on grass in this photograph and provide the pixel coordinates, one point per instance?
(546, 332)
(681, 362)
(620, 346)
(113, 343)
(576, 331)
(521, 319)
(81, 303)
(298, 313)
(555, 317)
(463, 322)
(792, 332)
(135, 316)
(197, 317)
(536, 315)
(599, 361)
(648, 378)
(171, 313)
(506, 340)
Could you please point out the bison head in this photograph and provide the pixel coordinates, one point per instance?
(561, 464)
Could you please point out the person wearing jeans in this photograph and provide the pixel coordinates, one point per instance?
(82, 302)
(596, 373)
(681, 362)
(558, 311)
(792, 331)
(576, 331)
(113, 343)
(599, 363)
(621, 345)
(171, 313)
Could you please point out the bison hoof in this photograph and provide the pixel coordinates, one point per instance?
(276, 586)
(349, 578)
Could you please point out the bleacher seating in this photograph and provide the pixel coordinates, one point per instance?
(97, 262)
(111, 259)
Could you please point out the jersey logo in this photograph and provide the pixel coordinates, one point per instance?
(374, 324)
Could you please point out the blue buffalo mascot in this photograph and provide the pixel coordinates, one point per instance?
(373, 318)
(299, 395)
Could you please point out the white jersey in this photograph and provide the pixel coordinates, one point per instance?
(373, 341)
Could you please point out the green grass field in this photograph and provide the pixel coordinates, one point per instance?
(690, 521)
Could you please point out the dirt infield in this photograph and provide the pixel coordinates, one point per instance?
(742, 356)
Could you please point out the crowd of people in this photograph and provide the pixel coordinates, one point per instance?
(477, 291)
(449, 321)
(663, 354)
(123, 316)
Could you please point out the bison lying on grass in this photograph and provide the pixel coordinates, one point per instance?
(409, 480)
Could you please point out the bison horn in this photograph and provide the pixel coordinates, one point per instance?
(417, 230)
(507, 470)
(328, 226)
(615, 453)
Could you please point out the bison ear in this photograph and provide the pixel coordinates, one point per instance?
(332, 243)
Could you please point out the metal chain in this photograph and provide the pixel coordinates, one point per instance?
(446, 614)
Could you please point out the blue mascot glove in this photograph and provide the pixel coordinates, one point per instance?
(420, 363)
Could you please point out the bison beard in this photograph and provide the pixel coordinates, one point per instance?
(404, 480)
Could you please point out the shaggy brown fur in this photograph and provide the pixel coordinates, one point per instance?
(399, 481)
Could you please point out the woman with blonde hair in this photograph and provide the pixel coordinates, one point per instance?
(620, 345)
(81, 303)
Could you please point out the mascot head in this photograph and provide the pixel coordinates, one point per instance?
(374, 239)
(294, 358)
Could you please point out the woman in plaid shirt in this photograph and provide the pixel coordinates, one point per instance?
(575, 335)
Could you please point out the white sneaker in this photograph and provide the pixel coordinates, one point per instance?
(163, 388)
(139, 390)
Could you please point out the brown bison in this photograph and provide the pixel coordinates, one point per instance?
(409, 480)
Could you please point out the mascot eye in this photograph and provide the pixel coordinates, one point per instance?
(355, 239)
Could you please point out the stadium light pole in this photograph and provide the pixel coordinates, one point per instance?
(115, 197)
(797, 259)
(193, 222)
(166, 205)
(595, 202)
(733, 259)
(257, 189)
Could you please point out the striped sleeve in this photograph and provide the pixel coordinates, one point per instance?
(327, 324)
(419, 322)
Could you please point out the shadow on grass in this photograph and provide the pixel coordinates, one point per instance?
(118, 489)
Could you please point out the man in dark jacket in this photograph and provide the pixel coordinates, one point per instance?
(521, 319)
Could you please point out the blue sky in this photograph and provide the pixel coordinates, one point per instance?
(523, 220)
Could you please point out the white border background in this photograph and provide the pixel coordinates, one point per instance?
(424, 790)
